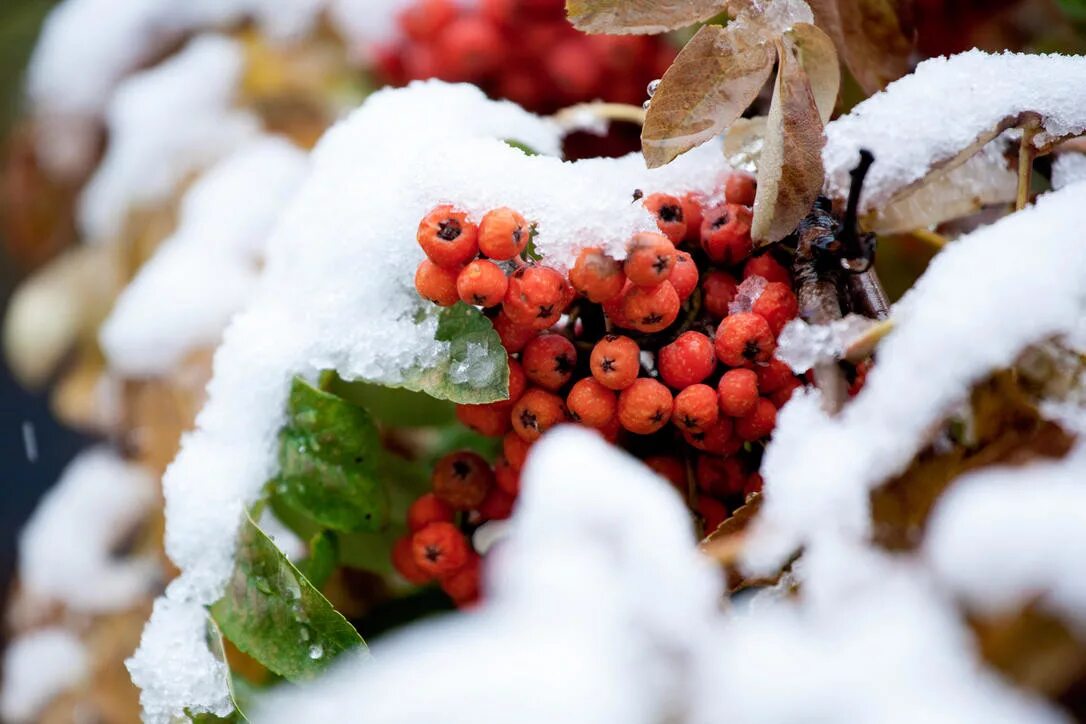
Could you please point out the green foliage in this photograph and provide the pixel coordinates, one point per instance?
(271, 612)
(322, 560)
(393, 406)
(522, 147)
(474, 368)
(328, 454)
(1074, 9)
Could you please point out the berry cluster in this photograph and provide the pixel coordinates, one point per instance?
(522, 50)
(668, 353)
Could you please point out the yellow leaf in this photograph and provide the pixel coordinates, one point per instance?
(710, 84)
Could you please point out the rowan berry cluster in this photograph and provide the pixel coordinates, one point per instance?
(668, 353)
(522, 50)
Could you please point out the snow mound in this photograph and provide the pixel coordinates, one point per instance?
(165, 124)
(964, 98)
(321, 305)
(38, 666)
(66, 549)
(183, 298)
(980, 303)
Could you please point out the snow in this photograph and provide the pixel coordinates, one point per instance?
(963, 98)
(802, 345)
(166, 124)
(37, 666)
(747, 294)
(634, 628)
(65, 550)
(1004, 538)
(183, 298)
(1067, 168)
(980, 303)
(321, 303)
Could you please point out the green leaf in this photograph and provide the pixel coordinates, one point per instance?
(474, 368)
(273, 613)
(323, 556)
(522, 147)
(214, 643)
(1074, 9)
(393, 406)
(328, 454)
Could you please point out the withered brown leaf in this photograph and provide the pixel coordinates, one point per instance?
(790, 174)
(819, 60)
(711, 83)
(874, 37)
(623, 17)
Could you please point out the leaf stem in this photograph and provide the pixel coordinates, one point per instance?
(1026, 154)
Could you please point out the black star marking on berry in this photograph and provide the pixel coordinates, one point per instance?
(657, 416)
(751, 350)
(671, 213)
(545, 311)
(433, 553)
(689, 421)
(721, 220)
(661, 264)
(608, 365)
(461, 469)
(448, 230)
(528, 420)
(654, 318)
(563, 364)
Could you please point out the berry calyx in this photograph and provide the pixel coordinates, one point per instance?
(481, 283)
(668, 211)
(744, 340)
(447, 237)
(503, 234)
(615, 362)
(462, 479)
(536, 412)
(645, 406)
(440, 549)
(686, 361)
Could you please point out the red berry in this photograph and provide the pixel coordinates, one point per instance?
(518, 381)
(515, 451)
(686, 361)
(752, 486)
(447, 237)
(463, 585)
(778, 305)
(768, 268)
(549, 360)
(440, 549)
(684, 277)
(725, 233)
(507, 476)
(644, 407)
(738, 391)
(757, 423)
(597, 276)
(591, 404)
(572, 68)
(650, 259)
(784, 394)
(491, 420)
(503, 234)
(469, 48)
(536, 412)
(481, 283)
(437, 284)
(695, 409)
(513, 336)
(427, 509)
(461, 479)
(615, 362)
(712, 512)
(692, 214)
(720, 476)
(717, 438)
(718, 291)
(424, 19)
(497, 505)
(403, 560)
(773, 376)
(612, 308)
(744, 340)
(668, 211)
(536, 297)
(651, 309)
(859, 380)
(620, 54)
(740, 188)
(670, 469)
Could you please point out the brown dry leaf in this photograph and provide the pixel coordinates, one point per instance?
(1033, 649)
(711, 83)
(819, 60)
(743, 143)
(624, 17)
(790, 175)
(874, 37)
(1008, 430)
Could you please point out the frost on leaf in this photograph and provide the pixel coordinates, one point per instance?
(272, 613)
(968, 100)
(618, 17)
(874, 37)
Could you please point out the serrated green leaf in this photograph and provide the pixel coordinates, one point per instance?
(328, 454)
(322, 560)
(474, 368)
(273, 613)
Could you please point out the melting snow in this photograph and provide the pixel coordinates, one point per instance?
(38, 666)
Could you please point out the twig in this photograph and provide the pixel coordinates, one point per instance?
(866, 289)
(1026, 154)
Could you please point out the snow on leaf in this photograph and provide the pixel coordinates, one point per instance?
(473, 367)
(743, 143)
(790, 171)
(712, 81)
(328, 462)
(272, 613)
(874, 37)
(968, 100)
(619, 17)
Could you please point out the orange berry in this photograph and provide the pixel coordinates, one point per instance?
(481, 283)
(490, 420)
(738, 391)
(752, 486)
(518, 381)
(536, 297)
(536, 412)
(668, 211)
(670, 469)
(507, 476)
(440, 549)
(725, 234)
(615, 362)
(757, 423)
(503, 234)
(549, 360)
(651, 309)
(515, 450)
(461, 479)
(720, 476)
(403, 560)
(768, 268)
(644, 407)
(777, 304)
(718, 438)
(718, 291)
(684, 277)
(463, 585)
(436, 283)
(713, 513)
(744, 340)
(597, 276)
(740, 188)
(774, 375)
(427, 509)
(497, 505)
(693, 216)
(513, 336)
(686, 361)
(783, 395)
(447, 237)
(650, 259)
(695, 408)
(590, 403)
